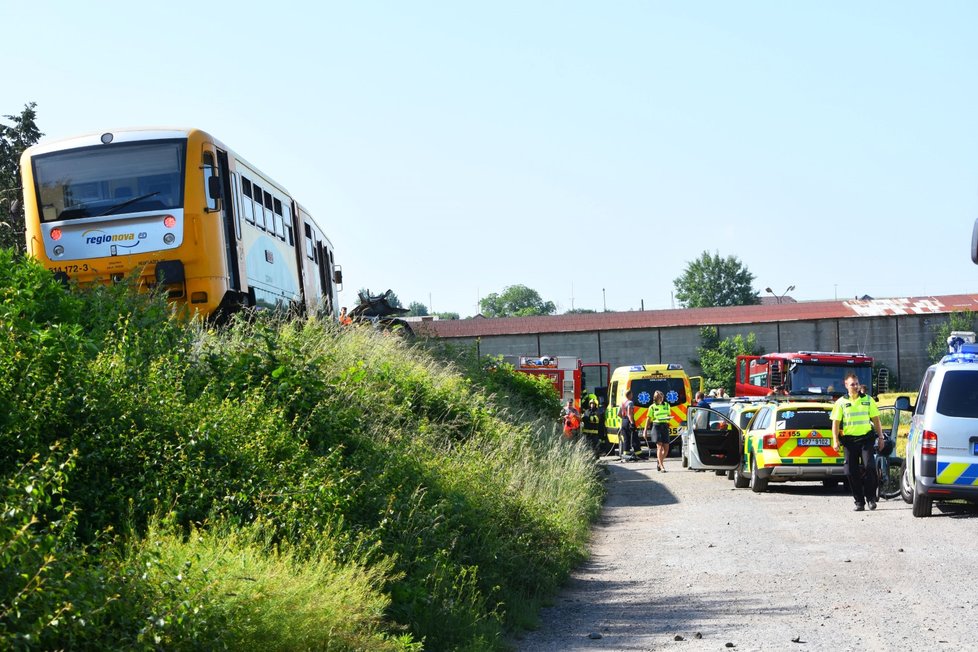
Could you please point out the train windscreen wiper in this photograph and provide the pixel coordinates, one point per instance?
(127, 203)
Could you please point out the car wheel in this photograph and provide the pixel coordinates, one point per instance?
(922, 505)
(906, 483)
(730, 475)
(757, 483)
(685, 462)
(741, 481)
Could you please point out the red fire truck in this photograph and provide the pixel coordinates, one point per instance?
(574, 380)
(805, 372)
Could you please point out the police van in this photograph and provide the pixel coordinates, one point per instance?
(942, 447)
(644, 380)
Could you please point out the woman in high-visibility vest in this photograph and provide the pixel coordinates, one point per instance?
(660, 413)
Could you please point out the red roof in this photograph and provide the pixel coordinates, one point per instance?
(605, 321)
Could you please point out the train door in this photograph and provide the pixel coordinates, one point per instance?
(325, 278)
(232, 227)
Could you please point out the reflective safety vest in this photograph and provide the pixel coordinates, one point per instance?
(661, 413)
(855, 415)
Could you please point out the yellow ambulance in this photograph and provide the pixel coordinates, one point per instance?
(644, 380)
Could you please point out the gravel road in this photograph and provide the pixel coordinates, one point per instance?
(683, 561)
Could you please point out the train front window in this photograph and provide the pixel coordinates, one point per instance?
(110, 179)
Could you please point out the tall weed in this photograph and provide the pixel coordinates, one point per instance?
(437, 498)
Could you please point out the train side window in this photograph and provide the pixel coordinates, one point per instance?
(309, 250)
(210, 171)
(237, 208)
(256, 192)
(269, 214)
(246, 206)
(289, 232)
(279, 226)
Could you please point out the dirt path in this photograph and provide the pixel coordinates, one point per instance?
(684, 554)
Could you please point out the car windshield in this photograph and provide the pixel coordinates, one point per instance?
(644, 389)
(110, 179)
(743, 417)
(959, 395)
(804, 419)
(826, 379)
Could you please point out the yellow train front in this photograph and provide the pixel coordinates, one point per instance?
(180, 211)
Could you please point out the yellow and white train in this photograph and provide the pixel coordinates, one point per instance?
(181, 211)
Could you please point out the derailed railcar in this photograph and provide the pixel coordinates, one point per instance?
(183, 213)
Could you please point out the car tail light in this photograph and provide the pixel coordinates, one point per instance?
(770, 441)
(928, 443)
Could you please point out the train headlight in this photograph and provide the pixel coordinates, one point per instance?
(168, 238)
(58, 250)
(55, 233)
(169, 221)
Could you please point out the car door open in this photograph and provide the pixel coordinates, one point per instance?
(714, 439)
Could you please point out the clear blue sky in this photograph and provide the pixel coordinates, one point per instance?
(451, 149)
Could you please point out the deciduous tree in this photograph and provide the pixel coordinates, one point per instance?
(417, 309)
(711, 281)
(13, 141)
(718, 358)
(962, 320)
(516, 301)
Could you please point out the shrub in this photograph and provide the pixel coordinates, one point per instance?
(320, 461)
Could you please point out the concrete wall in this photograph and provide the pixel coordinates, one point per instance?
(899, 342)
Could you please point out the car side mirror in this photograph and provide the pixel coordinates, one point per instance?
(902, 403)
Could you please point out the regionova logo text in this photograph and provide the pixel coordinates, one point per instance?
(97, 237)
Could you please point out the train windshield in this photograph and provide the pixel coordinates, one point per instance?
(826, 379)
(110, 179)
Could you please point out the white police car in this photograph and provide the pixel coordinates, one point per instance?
(942, 447)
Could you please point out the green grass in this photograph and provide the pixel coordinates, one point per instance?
(272, 484)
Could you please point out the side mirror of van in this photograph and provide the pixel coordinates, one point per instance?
(902, 403)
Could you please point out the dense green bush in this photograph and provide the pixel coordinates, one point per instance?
(284, 485)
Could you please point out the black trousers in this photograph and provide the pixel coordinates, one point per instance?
(628, 438)
(861, 467)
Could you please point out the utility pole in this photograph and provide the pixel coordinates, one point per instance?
(604, 300)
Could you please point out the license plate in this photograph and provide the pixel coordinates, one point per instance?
(814, 442)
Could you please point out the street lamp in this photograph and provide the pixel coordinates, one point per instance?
(781, 296)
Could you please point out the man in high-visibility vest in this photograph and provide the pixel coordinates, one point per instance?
(858, 416)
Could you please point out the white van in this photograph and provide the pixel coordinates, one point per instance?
(942, 447)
